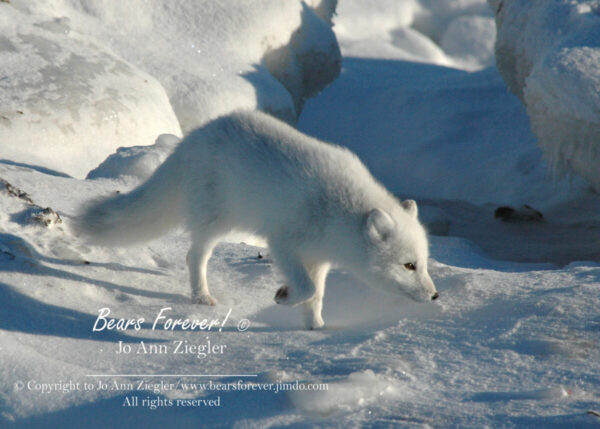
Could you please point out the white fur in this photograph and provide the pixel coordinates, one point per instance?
(315, 203)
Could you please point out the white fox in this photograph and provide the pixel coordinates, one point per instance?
(315, 203)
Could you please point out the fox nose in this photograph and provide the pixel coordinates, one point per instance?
(435, 296)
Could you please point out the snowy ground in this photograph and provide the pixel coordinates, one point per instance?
(512, 342)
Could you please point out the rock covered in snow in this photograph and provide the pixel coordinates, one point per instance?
(13, 191)
(32, 213)
(44, 216)
(548, 52)
(312, 58)
(82, 78)
(383, 29)
(454, 33)
(471, 39)
(208, 55)
(65, 100)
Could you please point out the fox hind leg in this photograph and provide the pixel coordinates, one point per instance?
(197, 261)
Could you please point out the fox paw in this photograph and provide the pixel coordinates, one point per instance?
(315, 322)
(281, 295)
(204, 299)
(289, 296)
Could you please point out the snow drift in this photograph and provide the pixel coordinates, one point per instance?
(453, 33)
(548, 52)
(66, 100)
(81, 78)
(136, 161)
(435, 132)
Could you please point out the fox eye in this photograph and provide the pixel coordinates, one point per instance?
(410, 266)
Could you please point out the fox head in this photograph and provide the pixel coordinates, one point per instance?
(397, 252)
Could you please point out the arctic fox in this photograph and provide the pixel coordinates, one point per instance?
(315, 203)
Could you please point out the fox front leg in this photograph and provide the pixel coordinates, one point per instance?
(314, 306)
(300, 287)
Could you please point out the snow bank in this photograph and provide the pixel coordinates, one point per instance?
(136, 161)
(548, 52)
(66, 100)
(436, 133)
(209, 55)
(82, 78)
(427, 130)
(454, 33)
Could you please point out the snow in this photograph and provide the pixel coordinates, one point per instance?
(445, 32)
(512, 341)
(445, 126)
(79, 83)
(549, 55)
(66, 100)
(137, 161)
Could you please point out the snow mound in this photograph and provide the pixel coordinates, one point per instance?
(548, 52)
(359, 390)
(309, 62)
(66, 101)
(82, 78)
(136, 161)
(432, 132)
(209, 55)
(470, 38)
(453, 33)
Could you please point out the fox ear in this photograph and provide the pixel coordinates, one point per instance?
(378, 225)
(411, 207)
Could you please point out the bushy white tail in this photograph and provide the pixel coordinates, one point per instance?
(146, 212)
